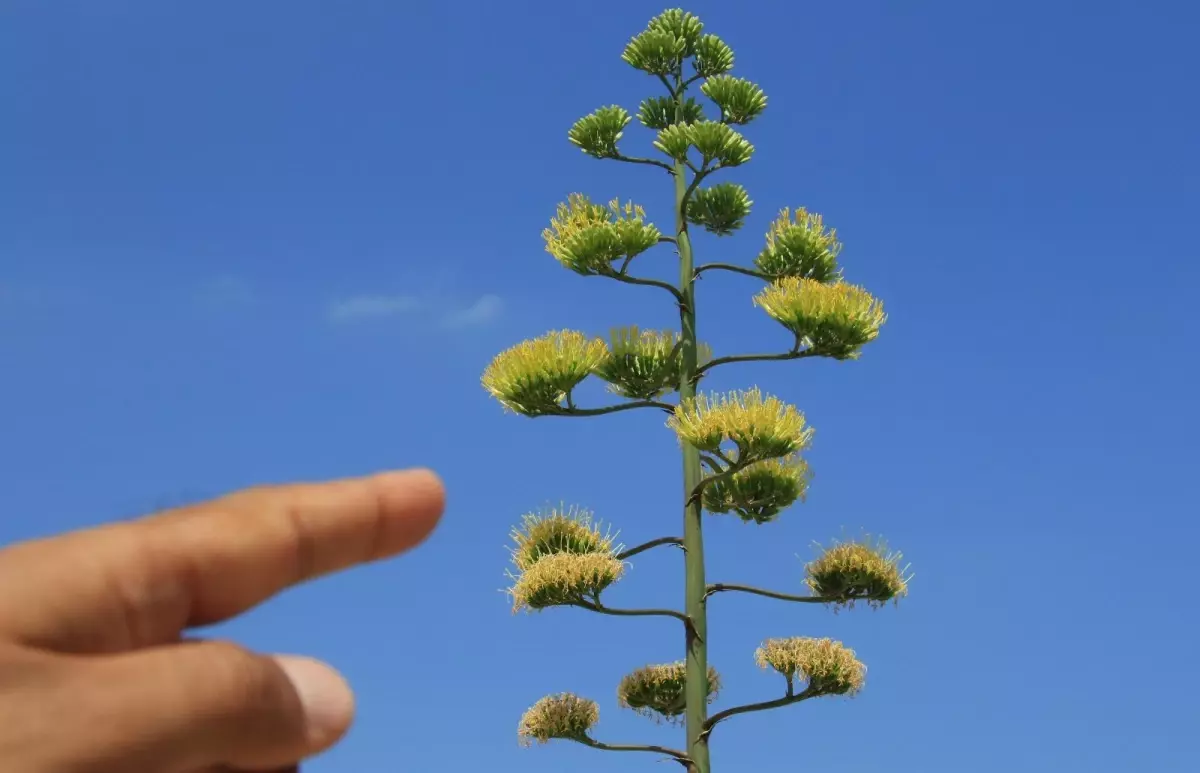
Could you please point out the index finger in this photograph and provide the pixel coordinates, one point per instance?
(143, 582)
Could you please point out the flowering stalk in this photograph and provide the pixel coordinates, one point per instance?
(742, 452)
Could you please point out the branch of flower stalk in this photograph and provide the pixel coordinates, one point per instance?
(792, 355)
(597, 607)
(721, 586)
(676, 541)
(634, 280)
(787, 700)
(571, 410)
(677, 755)
(727, 473)
(730, 267)
(701, 173)
(667, 85)
(650, 161)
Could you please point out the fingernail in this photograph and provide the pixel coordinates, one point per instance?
(327, 699)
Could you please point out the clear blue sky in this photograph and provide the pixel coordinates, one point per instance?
(253, 242)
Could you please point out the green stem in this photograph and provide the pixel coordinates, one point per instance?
(733, 268)
(621, 747)
(722, 586)
(573, 411)
(650, 161)
(635, 280)
(648, 545)
(696, 659)
(631, 612)
(763, 706)
(753, 358)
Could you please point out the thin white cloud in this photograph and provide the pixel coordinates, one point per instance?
(481, 312)
(372, 307)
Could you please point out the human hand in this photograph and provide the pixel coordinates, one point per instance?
(95, 673)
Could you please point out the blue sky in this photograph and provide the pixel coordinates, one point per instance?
(253, 242)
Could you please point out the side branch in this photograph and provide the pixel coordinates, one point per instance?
(792, 355)
(596, 607)
(620, 276)
(676, 541)
(721, 586)
(615, 747)
(728, 472)
(787, 700)
(647, 161)
(731, 267)
(571, 410)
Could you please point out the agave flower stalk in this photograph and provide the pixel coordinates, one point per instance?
(742, 451)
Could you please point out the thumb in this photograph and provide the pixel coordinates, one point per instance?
(206, 704)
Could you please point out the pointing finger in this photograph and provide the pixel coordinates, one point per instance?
(141, 583)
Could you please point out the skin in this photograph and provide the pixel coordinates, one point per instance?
(98, 674)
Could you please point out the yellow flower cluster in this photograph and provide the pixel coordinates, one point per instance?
(829, 667)
(836, 319)
(564, 578)
(559, 530)
(762, 427)
(661, 689)
(800, 248)
(534, 377)
(761, 491)
(587, 237)
(558, 716)
(854, 571)
(644, 364)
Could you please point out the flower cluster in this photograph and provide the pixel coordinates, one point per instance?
(562, 558)
(587, 237)
(801, 247)
(558, 716)
(835, 320)
(858, 571)
(761, 427)
(829, 667)
(644, 364)
(661, 689)
(761, 491)
(535, 376)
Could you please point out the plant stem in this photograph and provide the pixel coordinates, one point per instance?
(733, 268)
(620, 747)
(573, 411)
(647, 545)
(792, 355)
(721, 586)
(763, 706)
(632, 612)
(696, 659)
